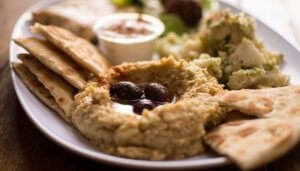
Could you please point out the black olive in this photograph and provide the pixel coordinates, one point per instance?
(143, 104)
(95, 40)
(126, 90)
(188, 10)
(157, 92)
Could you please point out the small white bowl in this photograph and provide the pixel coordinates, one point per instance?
(128, 49)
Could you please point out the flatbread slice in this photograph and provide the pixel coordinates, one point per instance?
(82, 51)
(37, 88)
(62, 92)
(254, 143)
(56, 61)
(269, 102)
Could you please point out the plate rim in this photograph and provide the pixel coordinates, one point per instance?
(106, 158)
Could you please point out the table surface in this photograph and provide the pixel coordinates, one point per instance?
(23, 147)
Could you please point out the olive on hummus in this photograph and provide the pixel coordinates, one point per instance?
(170, 131)
(143, 96)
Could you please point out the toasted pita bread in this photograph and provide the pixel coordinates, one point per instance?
(59, 63)
(253, 143)
(269, 102)
(62, 92)
(83, 52)
(37, 88)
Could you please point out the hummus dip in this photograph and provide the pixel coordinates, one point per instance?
(170, 131)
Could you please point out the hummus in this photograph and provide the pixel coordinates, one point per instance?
(171, 131)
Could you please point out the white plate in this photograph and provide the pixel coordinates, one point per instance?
(63, 134)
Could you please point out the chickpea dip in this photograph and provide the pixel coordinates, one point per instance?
(128, 37)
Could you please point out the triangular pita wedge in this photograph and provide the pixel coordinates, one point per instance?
(269, 102)
(82, 51)
(37, 88)
(56, 61)
(62, 92)
(254, 143)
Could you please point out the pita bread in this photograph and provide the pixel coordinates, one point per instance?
(61, 91)
(253, 143)
(59, 63)
(269, 102)
(83, 52)
(37, 88)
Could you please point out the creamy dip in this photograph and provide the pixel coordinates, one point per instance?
(128, 37)
(128, 28)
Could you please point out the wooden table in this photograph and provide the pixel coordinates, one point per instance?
(23, 147)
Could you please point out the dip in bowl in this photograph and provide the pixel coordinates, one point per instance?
(128, 37)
